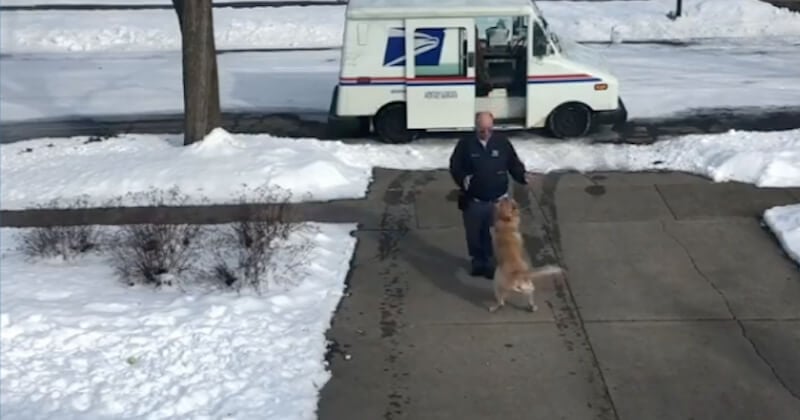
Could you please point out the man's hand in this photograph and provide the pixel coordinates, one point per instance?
(466, 182)
(533, 179)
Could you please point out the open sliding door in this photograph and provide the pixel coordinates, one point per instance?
(440, 73)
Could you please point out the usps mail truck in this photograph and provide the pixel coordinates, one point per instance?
(410, 66)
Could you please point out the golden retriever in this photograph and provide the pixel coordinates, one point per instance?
(514, 273)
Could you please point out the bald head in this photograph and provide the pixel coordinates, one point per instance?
(484, 122)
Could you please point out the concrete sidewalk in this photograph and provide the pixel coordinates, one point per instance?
(678, 305)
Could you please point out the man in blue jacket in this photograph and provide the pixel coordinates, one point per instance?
(480, 165)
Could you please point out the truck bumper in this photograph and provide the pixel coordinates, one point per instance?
(614, 117)
(334, 101)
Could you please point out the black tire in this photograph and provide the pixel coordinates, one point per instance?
(391, 126)
(570, 120)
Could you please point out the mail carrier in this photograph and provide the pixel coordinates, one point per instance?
(410, 66)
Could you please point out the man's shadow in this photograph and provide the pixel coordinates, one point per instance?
(444, 270)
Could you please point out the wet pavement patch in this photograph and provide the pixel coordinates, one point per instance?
(595, 190)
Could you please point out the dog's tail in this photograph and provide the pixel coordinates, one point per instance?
(547, 270)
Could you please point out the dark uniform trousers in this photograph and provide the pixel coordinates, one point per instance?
(488, 167)
(478, 218)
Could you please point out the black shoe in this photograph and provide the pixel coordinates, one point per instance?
(478, 269)
(489, 273)
(477, 272)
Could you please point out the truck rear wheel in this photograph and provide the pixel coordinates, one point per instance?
(391, 126)
(570, 120)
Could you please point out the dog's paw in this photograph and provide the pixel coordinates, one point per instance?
(533, 308)
(494, 308)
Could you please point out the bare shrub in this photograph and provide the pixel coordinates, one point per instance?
(65, 242)
(263, 248)
(157, 254)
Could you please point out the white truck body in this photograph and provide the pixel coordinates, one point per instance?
(422, 54)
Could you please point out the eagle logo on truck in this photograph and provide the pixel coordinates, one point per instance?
(427, 47)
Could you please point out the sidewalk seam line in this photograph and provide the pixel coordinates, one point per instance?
(738, 321)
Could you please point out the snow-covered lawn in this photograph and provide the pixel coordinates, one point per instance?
(77, 344)
(656, 81)
(785, 223)
(37, 171)
(322, 26)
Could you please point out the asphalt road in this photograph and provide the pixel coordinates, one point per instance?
(312, 124)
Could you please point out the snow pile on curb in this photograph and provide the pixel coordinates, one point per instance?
(322, 26)
(784, 221)
(35, 172)
(78, 344)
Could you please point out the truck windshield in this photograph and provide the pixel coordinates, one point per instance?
(544, 38)
(551, 36)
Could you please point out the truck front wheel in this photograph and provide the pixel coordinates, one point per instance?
(570, 120)
(391, 126)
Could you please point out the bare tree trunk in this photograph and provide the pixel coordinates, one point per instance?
(200, 80)
(214, 117)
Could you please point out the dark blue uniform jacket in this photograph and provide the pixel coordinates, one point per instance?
(488, 166)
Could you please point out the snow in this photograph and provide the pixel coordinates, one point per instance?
(38, 171)
(167, 3)
(645, 20)
(215, 168)
(157, 30)
(785, 224)
(79, 344)
(322, 26)
(656, 81)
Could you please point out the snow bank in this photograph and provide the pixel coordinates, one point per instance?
(216, 168)
(77, 344)
(322, 26)
(34, 171)
(785, 224)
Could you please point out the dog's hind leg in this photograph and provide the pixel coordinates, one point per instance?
(531, 302)
(531, 291)
(500, 297)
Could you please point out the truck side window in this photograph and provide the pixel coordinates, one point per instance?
(439, 52)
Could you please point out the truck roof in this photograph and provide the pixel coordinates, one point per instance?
(401, 9)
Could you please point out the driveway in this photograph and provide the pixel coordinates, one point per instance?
(677, 305)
